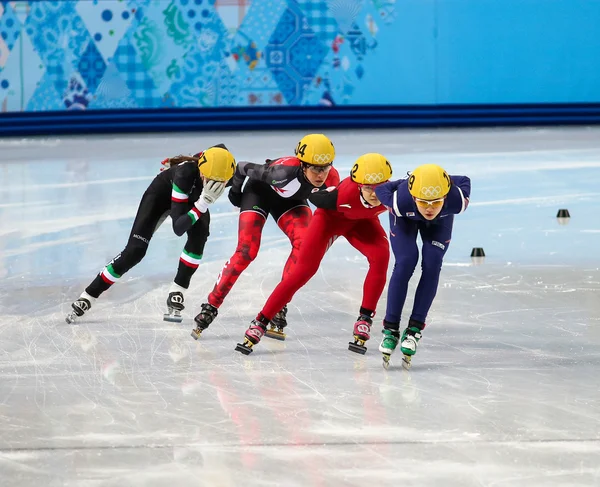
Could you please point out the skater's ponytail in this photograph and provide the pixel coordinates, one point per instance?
(170, 162)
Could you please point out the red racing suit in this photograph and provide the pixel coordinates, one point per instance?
(342, 211)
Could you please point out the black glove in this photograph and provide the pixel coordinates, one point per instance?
(235, 197)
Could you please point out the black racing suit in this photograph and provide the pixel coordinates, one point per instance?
(172, 193)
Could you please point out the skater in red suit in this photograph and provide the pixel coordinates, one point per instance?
(279, 188)
(351, 210)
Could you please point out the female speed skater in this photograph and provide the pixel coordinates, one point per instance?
(183, 191)
(425, 203)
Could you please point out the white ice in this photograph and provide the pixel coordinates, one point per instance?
(505, 388)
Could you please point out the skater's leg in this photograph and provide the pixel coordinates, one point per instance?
(255, 206)
(316, 242)
(436, 239)
(403, 238)
(369, 238)
(294, 223)
(250, 228)
(314, 245)
(149, 215)
(188, 263)
(193, 250)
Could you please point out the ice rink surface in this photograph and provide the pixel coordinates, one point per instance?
(505, 388)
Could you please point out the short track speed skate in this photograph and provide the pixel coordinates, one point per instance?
(252, 337)
(362, 329)
(80, 306)
(409, 341)
(388, 344)
(174, 307)
(206, 316)
(278, 323)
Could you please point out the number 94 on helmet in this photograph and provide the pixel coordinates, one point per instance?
(315, 150)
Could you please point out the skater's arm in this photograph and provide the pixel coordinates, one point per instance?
(186, 175)
(182, 216)
(183, 220)
(388, 195)
(245, 169)
(326, 198)
(211, 192)
(460, 192)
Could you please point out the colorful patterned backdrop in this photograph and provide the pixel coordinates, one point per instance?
(99, 54)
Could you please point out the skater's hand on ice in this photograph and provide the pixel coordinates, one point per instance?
(235, 197)
(211, 192)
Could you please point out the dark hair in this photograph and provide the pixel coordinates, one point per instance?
(175, 161)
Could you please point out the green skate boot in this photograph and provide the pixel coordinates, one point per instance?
(388, 344)
(410, 338)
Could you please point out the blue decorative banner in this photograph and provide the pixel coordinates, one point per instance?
(115, 54)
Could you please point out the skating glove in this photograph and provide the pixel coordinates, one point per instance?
(210, 193)
(235, 197)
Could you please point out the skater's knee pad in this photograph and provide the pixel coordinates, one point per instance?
(294, 223)
(249, 235)
(247, 251)
(133, 254)
(432, 263)
(406, 264)
(296, 240)
(380, 255)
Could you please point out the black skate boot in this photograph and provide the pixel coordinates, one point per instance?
(362, 330)
(253, 334)
(175, 307)
(278, 323)
(206, 316)
(80, 306)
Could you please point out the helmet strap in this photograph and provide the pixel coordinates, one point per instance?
(364, 202)
(304, 166)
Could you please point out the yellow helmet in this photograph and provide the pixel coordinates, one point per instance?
(217, 164)
(315, 149)
(371, 168)
(429, 182)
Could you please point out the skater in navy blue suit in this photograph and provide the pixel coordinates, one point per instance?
(424, 203)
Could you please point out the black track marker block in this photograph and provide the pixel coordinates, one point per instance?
(477, 252)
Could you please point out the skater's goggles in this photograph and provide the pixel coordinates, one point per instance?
(435, 204)
(319, 169)
(368, 188)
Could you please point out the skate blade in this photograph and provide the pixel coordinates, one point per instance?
(275, 334)
(240, 347)
(406, 362)
(355, 347)
(172, 318)
(196, 333)
(386, 361)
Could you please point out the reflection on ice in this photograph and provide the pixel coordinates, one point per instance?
(504, 389)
